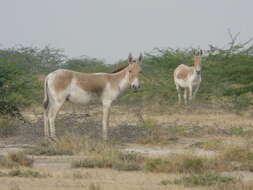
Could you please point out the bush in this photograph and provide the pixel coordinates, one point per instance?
(201, 180)
(8, 127)
(226, 77)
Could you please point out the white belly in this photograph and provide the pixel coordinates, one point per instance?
(79, 96)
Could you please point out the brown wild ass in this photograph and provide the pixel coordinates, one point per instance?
(188, 78)
(80, 88)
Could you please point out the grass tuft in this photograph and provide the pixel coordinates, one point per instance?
(8, 127)
(201, 180)
(186, 163)
(23, 173)
(238, 154)
(94, 186)
(124, 166)
(155, 134)
(177, 164)
(15, 160)
(70, 144)
(49, 150)
(212, 145)
(92, 163)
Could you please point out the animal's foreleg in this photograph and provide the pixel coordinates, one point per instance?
(105, 122)
(185, 96)
(195, 92)
(179, 94)
(190, 92)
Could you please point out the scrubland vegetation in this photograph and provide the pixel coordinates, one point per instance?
(227, 79)
(89, 163)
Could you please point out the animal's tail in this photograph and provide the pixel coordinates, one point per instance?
(46, 98)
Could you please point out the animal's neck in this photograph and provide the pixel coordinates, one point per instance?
(122, 79)
(197, 61)
(196, 73)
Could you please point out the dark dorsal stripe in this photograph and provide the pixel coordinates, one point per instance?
(120, 69)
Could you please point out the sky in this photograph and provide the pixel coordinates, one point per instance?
(110, 29)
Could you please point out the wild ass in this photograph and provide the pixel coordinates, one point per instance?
(80, 88)
(188, 78)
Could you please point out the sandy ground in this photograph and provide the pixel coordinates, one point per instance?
(124, 128)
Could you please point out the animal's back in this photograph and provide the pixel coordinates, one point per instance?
(62, 78)
(182, 72)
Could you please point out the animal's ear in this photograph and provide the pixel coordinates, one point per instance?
(130, 58)
(140, 58)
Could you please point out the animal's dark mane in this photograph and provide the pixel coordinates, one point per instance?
(119, 69)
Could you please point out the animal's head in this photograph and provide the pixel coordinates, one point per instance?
(197, 60)
(134, 69)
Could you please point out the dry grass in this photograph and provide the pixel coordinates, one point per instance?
(238, 154)
(188, 163)
(70, 144)
(156, 134)
(16, 160)
(178, 163)
(112, 159)
(94, 186)
(23, 173)
(239, 185)
(80, 175)
(241, 157)
(201, 180)
(215, 144)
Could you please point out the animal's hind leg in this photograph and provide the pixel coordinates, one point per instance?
(179, 94)
(52, 112)
(46, 127)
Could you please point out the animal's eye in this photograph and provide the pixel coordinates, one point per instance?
(130, 71)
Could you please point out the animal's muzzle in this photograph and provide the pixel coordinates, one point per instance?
(136, 87)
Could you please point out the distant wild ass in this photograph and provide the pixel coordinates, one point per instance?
(188, 78)
(80, 88)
